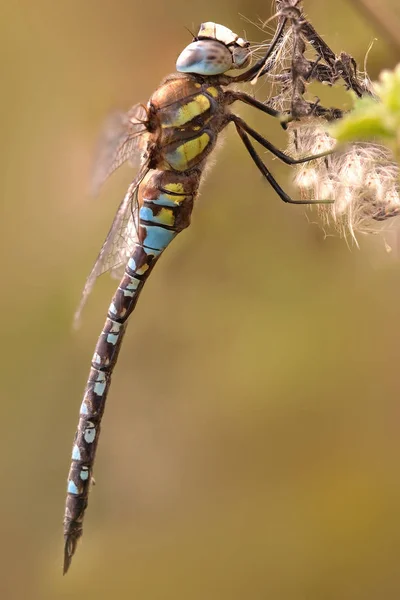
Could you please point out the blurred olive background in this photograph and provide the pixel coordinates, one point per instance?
(250, 447)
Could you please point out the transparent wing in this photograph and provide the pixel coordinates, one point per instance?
(119, 242)
(122, 139)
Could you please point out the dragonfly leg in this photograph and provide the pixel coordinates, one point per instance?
(231, 97)
(266, 173)
(289, 160)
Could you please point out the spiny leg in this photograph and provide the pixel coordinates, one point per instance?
(265, 172)
(230, 97)
(289, 160)
(284, 118)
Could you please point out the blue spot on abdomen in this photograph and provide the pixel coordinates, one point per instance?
(158, 237)
(72, 489)
(76, 455)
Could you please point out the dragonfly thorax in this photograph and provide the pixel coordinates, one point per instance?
(215, 50)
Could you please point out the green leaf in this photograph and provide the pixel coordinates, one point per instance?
(360, 126)
(376, 119)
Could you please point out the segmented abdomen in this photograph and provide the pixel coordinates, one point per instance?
(165, 205)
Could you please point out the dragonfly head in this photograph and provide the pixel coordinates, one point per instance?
(215, 50)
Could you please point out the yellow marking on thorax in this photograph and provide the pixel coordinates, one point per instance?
(197, 106)
(213, 92)
(184, 154)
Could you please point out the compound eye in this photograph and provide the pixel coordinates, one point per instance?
(205, 57)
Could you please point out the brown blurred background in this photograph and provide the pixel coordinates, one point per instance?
(250, 447)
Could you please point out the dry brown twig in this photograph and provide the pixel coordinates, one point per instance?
(362, 178)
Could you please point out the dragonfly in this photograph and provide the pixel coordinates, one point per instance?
(169, 140)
